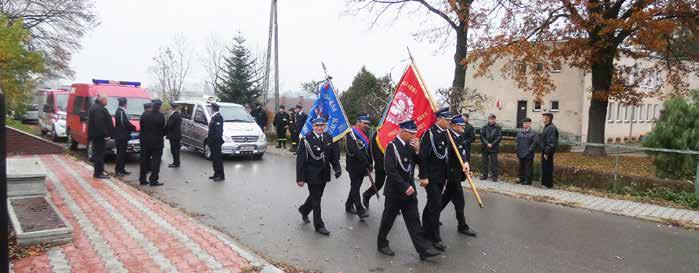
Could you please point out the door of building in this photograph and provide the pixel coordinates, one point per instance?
(521, 112)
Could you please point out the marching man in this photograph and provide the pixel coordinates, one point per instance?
(454, 192)
(359, 162)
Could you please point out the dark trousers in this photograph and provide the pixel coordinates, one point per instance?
(98, 147)
(490, 165)
(151, 161)
(379, 180)
(430, 214)
(454, 193)
(217, 159)
(526, 169)
(281, 137)
(175, 151)
(547, 170)
(120, 155)
(315, 194)
(142, 156)
(294, 139)
(353, 199)
(411, 217)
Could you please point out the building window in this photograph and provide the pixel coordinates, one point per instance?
(522, 68)
(627, 113)
(556, 66)
(641, 118)
(655, 111)
(537, 106)
(648, 114)
(554, 106)
(539, 67)
(618, 112)
(610, 112)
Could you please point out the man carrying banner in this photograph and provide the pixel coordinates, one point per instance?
(454, 192)
(316, 153)
(359, 163)
(434, 163)
(400, 192)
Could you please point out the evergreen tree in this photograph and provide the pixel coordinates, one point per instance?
(240, 82)
(678, 128)
(367, 94)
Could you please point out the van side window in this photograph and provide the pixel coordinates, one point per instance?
(199, 116)
(49, 99)
(187, 110)
(78, 105)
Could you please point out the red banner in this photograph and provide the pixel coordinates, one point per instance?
(410, 101)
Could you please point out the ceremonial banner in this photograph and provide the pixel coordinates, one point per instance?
(327, 105)
(410, 101)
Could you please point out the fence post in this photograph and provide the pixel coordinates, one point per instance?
(616, 169)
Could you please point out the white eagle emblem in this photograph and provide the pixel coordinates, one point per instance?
(401, 109)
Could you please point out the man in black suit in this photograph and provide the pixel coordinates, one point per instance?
(490, 139)
(174, 134)
(434, 163)
(147, 107)
(260, 116)
(316, 153)
(153, 132)
(469, 137)
(293, 134)
(549, 144)
(379, 172)
(215, 141)
(300, 123)
(359, 163)
(99, 129)
(122, 135)
(281, 122)
(454, 192)
(527, 141)
(401, 194)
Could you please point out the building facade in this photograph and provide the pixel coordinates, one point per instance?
(570, 102)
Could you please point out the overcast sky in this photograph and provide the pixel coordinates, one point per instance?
(310, 31)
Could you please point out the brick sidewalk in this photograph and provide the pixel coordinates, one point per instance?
(116, 228)
(684, 217)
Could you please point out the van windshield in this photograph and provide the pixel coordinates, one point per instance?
(233, 113)
(62, 102)
(134, 106)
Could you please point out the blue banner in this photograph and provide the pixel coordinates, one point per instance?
(327, 105)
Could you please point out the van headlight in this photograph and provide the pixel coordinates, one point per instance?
(227, 139)
(263, 137)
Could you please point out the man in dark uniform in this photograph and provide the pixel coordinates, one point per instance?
(147, 107)
(434, 160)
(173, 127)
(454, 192)
(400, 192)
(300, 122)
(527, 141)
(549, 144)
(260, 116)
(153, 132)
(215, 140)
(281, 122)
(359, 163)
(469, 137)
(490, 138)
(122, 134)
(293, 134)
(99, 129)
(315, 155)
(379, 172)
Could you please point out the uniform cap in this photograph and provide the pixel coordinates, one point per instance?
(319, 120)
(298, 106)
(409, 125)
(458, 120)
(363, 118)
(215, 106)
(122, 100)
(444, 113)
(147, 105)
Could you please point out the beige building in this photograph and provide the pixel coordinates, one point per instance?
(570, 103)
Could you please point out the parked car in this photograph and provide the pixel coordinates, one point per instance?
(52, 117)
(241, 135)
(31, 114)
(82, 96)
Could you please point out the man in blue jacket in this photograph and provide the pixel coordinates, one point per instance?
(527, 141)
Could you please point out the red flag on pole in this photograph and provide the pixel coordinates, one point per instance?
(411, 100)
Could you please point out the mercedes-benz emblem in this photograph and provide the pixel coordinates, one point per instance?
(245, 139)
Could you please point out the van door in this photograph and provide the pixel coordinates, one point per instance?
(45, 111)
(187, 124)
(201, 127)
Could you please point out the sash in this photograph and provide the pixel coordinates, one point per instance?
(361, 136)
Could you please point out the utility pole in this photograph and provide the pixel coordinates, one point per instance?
(272, 42)
(276, 57)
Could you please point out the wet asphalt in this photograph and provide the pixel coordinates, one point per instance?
(258, 201)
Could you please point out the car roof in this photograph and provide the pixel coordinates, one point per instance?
(208, 103)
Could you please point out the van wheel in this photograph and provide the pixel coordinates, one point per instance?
(73, 144)
(54, 135)
(207, 151)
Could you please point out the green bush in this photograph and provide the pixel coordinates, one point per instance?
(677, 128)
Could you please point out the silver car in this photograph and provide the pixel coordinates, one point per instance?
(241, 135)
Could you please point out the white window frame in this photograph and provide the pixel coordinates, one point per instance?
(627, 113)
(551, 106)
(640, 113)
(618, 112)
(648, 112)
(534, 109)
(610, 112)
(555, 69)
(655, 112)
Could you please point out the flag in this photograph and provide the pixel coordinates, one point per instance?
(411, 100)
(327, 105)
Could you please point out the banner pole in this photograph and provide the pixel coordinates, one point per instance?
(468, 175)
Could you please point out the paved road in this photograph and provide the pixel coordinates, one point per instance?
(257, 205)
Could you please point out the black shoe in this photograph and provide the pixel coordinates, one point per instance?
(120, 174)
(495, 179)
(386, 250)
(323, 231)
(143, 182)
(362, 215)
(484, 177)
(350, 210)
(467, 231)
(155, 184)
(126, 172)
(440, 223)
(100, 176)
(173, 165)
(439, 246)
(217, 179)
(365, 200)
(427, 253)
(304, 217)
(213, 176)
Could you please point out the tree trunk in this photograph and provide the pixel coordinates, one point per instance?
(597, 115)
(459, 55)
